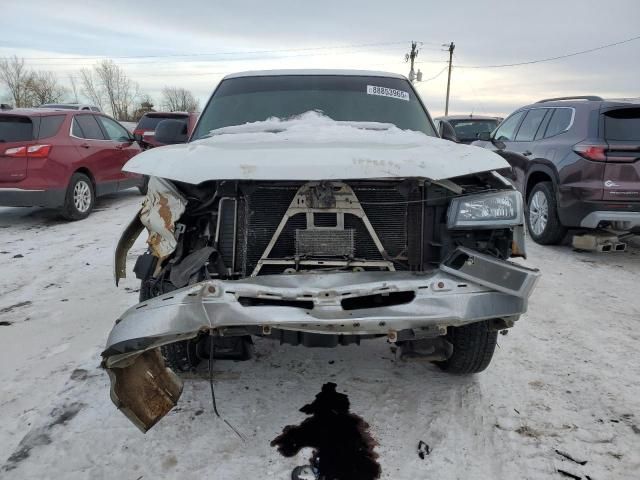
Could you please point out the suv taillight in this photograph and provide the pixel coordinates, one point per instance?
(597, 153)
(34, 151)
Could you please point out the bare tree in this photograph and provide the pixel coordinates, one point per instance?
(108, 85)
(44, 88)
(91, 88)
(175, 99)
(74, 88)
(17, 78)
(144, 106)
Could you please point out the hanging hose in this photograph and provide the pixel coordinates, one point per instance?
(212, 351)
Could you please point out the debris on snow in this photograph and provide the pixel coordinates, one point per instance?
(14, 306)
(527, 431)
(568, 474)
(569, 457)
(305, 472)
(423, 449)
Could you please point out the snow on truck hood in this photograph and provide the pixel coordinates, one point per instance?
(313, 147)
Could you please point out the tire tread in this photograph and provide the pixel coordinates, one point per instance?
(473, 347)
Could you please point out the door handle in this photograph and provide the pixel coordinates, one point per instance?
(527, 153)
(119, 147)
(85, 145)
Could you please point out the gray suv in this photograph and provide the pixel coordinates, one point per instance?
(576, 161)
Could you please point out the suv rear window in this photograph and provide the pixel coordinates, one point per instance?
(86, 126)
(151, 122)
(530, 124)
(50, 125)
(15, 129)
(559, 122)
(623, 124)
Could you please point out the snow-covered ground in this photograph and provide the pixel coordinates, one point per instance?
(566, 378)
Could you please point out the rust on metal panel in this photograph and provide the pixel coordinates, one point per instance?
(144, 389)
(165, 213)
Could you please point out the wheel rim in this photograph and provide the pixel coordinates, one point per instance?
(82, 196)
(538, 213)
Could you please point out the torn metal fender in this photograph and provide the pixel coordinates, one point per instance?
(144, 389)
(161, 209)
(127, 239)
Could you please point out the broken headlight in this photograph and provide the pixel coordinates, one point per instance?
(486, 210)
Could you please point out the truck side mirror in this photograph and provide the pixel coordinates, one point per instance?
(447, 132)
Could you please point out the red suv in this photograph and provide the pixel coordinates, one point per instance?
(147, 125)
(63, 159)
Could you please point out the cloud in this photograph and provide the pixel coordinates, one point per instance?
(488, 32)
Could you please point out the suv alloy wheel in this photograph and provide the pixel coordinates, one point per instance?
(80, 198)
(542, 215)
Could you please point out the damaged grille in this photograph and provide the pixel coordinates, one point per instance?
(263, 207)
(325, 243)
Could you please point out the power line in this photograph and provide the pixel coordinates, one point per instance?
(436, 75)
(177, 55)
(226, 72)
(549, 59)
(215, 60)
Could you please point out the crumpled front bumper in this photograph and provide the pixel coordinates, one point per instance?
(468, 287)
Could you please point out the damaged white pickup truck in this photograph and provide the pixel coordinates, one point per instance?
(316, 208)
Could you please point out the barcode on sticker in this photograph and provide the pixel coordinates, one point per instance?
(387, 92)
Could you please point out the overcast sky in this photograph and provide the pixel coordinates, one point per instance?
(370, 34)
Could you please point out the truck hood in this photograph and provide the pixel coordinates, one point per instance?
(313, 147)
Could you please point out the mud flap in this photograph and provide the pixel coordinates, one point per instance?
(144, 389)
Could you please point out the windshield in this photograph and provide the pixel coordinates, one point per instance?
(469, 129)
(344, 98)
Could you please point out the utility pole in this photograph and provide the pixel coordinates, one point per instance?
(411, 57)
(452, 47)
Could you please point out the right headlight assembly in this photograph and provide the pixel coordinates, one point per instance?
(486, 210)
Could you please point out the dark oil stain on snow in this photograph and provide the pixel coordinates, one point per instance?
(343, 447)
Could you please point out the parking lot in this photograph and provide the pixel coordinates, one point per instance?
(563, 380)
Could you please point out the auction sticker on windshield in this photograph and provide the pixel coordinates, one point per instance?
(387, 92)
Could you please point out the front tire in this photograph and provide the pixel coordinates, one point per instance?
(80, 197)
(183, 356)
(542, 215)
(179, 356)
(473, 347)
